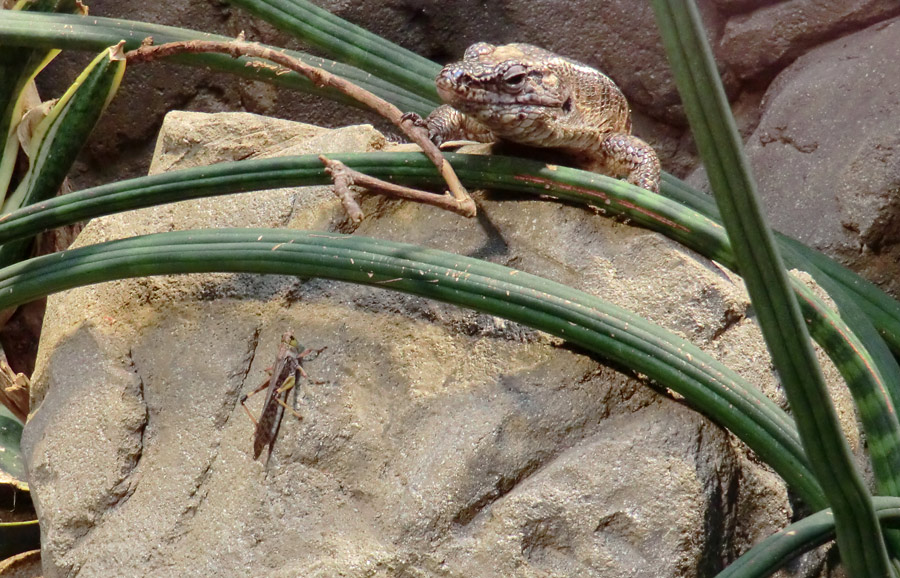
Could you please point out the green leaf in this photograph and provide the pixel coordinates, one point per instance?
(61, 135)
(59, 138)
(18, 67)
(10, 454)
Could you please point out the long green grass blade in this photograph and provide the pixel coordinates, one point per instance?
(852, 341)
(859, 535)
(765, 558)
(412, 169)
(18, 67)
(867, 383)
(580, 318)
(94, 33)
(59, 138)
(348, 43)
(881, 310)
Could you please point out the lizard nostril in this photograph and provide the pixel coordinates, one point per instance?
(455, 77)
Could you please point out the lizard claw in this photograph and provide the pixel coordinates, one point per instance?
(414, 118)
(420, 122)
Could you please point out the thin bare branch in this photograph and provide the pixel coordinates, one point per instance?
(342, 182)
(445, 201)
(238, 48)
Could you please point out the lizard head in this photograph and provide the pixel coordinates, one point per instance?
(503, 85)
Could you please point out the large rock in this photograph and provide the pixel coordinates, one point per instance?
(434, 441)
(762, 42)
(826, 153)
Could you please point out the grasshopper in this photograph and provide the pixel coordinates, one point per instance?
(286, 371)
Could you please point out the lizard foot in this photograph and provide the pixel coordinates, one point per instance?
(627, 155)
(414, 118)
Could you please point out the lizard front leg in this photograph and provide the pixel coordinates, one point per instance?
(628, 156)
(445, 123)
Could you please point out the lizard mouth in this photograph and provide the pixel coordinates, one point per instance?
(462, 92)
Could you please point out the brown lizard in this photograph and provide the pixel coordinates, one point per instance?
(527, 95)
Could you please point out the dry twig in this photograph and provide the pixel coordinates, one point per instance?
(343, 179)
(344, 176)
(460, 203)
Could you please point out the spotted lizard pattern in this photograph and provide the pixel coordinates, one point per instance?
(527, 95)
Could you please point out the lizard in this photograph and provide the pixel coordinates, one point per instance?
(528, 95)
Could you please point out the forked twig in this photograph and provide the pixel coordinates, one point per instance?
(342, 180)
(462, 203)
(344, 176)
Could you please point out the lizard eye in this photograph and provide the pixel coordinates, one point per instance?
(515, 76)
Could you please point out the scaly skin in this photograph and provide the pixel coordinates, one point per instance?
(527, 95)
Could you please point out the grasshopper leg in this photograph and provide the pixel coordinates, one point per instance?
(246, 396)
